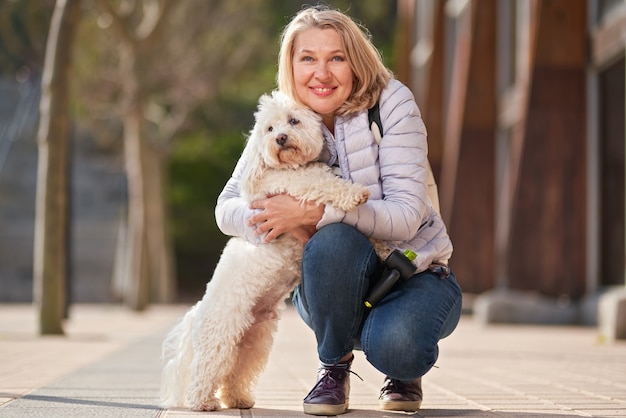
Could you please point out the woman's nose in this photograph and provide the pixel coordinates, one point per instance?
(322, 72)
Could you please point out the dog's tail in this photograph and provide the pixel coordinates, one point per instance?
(177, 355)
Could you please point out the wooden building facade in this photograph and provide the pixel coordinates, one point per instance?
(524, 102)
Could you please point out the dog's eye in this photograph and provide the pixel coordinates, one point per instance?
(270, 129)
(294, 121)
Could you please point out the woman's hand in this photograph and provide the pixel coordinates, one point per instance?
(303, 233)
(282, 214)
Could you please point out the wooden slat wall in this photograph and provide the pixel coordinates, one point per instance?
(530, 234)
(546, 246)
(467, 177)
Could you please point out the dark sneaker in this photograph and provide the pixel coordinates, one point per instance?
(399, 396)
(331, 393)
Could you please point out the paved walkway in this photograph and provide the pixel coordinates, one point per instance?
(108, 366)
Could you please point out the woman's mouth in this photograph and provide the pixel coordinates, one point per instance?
(322, 91)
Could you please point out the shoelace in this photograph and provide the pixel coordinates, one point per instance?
(328, 377)
(396, 386)
(333, 369)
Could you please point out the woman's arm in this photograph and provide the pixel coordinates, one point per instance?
(396, 173)
(233, 211)
(402, 159)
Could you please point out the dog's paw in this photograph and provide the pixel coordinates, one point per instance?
(242, 403)
(362, 196)
(207, 406)
(211, 404)
(356, 196)
(382, 250)
(237, 400)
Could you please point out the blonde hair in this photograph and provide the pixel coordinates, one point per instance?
(370, 74)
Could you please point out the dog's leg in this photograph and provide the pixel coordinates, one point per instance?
(177, 355)
(202, 385)
(254, 350)
(216, 337)
(224, 315)
(317, 183)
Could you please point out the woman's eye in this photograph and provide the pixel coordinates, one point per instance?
(338, 59)
(294, 121)
(306, 59)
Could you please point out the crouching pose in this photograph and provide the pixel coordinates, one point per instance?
(328, 64)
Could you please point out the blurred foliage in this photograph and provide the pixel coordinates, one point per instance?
(23, 33)
(200, 165)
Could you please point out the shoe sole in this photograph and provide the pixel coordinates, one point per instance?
(406, 406)
(321, 409)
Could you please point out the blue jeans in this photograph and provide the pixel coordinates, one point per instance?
(400, 334)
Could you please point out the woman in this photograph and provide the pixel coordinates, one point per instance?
(327, 63)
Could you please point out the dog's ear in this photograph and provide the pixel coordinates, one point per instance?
(252, 175)
(264, 100)
(255, 165)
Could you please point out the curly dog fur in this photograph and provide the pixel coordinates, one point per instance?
(215, 354)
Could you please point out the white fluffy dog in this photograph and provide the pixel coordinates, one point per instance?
(215, 354)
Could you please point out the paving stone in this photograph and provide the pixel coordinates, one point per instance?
(108, 366)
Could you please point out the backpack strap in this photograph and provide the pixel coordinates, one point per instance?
(376, 125)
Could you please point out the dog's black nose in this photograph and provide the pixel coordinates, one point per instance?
(281, 139)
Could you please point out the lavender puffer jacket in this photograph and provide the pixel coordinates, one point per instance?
(398, 211)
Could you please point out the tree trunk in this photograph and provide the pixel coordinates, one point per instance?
(162, 275)
(148, 275)
(147, 272)
(51, 245)
(137, 271)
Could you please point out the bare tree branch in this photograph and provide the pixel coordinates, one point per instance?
(151, 28)
(118, 23)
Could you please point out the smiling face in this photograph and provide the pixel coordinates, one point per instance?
(322, 74)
